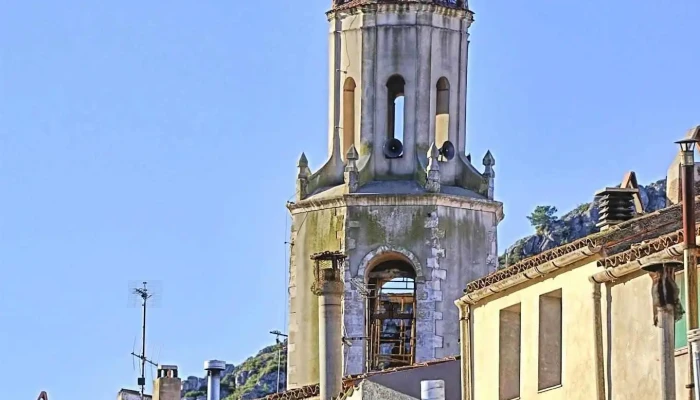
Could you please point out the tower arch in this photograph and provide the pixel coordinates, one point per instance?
(384, 253)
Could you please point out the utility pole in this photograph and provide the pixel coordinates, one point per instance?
(279, 355)
(689, 249)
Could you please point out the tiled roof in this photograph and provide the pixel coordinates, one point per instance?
(613, 241)
(349, 382)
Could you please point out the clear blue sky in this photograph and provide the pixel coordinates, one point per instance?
(145, 140)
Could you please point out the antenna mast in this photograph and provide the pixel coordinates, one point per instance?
(144, 294)
(279, 355)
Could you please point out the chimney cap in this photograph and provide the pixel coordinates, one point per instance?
(214, 365)
(615, 190)
(167, 367)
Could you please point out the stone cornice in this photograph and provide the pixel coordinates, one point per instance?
(372, 7)
(427, 199)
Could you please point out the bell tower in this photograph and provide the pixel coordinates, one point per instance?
(398, 194)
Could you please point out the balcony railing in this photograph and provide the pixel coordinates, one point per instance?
(444, 3)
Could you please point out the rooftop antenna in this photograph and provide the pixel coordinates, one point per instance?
(279, 355)
(144, 293)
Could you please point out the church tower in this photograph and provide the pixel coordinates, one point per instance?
(398, 195)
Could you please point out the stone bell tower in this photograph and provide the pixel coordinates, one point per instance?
(398, 195)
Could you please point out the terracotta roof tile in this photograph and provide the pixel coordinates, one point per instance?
(349, 382)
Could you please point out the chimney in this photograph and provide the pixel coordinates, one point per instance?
(167, 385)
(615, 205)
(328, 286)
(214, 369)
(432, 390)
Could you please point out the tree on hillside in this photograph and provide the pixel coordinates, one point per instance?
(542, 217)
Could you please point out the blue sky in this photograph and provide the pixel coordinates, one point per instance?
(140, 140)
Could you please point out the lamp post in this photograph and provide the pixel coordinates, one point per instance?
(689, 258)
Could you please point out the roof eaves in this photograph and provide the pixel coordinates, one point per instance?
(615, 240)
(349, 382)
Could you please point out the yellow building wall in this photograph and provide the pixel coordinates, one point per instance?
(631, 357)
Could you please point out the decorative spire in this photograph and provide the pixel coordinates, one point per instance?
(433, 171)
(351, 175)
(489, 173)
(302, 177)
(489, 162)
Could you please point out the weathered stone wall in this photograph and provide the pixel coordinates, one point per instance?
(447, 246)
(312, 232)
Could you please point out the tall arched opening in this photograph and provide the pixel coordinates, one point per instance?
(391, 315)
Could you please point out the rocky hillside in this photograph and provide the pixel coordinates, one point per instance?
(256, 377)
(574, 225)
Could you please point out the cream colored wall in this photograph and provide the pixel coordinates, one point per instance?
(631, 356)
(578, 374)
(634, 349)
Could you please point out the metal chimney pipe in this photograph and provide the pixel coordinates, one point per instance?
(689, 252)
(214, 369)
(432, 390)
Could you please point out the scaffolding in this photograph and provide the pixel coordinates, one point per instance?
(392, 327)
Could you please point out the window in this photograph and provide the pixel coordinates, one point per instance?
(681, 334)
(395, 107)
(549, 364)
(442, 112)
(509, 353)
(348, 115)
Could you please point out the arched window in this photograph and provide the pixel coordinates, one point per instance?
(442, 112)
(392, 315)
(395, 107)
(348, 115)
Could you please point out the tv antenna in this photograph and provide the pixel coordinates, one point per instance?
(145, 294)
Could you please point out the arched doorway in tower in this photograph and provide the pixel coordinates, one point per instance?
(391, 314)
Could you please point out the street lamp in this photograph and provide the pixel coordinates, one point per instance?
(689, 257)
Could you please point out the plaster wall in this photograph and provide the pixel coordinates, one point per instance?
(630, 340)
(578, 374)
(407, 382)
(633, 333)
(312, 232)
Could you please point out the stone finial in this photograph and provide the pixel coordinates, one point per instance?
(352, 157)
(351, 174)
(489, 161)
(433, 171)
(489, 173)
(303, 177)
(303, 162)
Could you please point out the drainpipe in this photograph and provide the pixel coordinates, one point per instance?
(694, 354)
(466, 347)
(598, 335)
(689, 260)
(432, 390)
(668, 310)
(667, 323)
